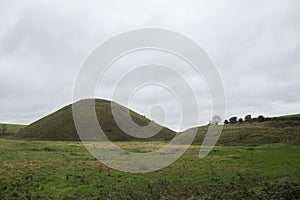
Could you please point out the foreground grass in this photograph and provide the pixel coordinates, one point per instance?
(65, 170)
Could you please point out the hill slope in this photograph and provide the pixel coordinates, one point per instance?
(254, 134)
(60, 124)
(12, 128)
(294, 117)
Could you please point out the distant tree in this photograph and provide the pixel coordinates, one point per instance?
(166, 139)
(260, 118)
(241, 120)
(226, 122)
(248, 118)
(233, 120)
(3, 129)
(216, 119)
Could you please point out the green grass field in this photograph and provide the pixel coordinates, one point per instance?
(65, 170)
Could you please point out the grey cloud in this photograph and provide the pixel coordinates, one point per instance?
(255, 45)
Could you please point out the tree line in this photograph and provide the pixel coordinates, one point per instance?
(234, 120)
(247, 119)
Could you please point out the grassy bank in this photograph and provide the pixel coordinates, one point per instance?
(256, 134)
(13, 128)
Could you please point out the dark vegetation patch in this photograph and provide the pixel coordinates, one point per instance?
(240, 186)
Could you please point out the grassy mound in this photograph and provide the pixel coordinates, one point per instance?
(60, 125)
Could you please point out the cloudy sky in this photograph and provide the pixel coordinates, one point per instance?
(254, 44)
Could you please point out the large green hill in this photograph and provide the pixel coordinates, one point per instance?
(60, 124)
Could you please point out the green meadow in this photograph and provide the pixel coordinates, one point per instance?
(65, 170)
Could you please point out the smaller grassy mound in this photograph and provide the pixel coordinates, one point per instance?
(254, 134)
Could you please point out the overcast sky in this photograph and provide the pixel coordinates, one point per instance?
(255, 45)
